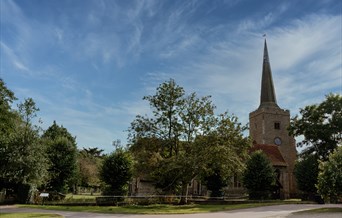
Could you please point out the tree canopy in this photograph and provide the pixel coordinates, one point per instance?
(23, 164)
(183, 138)
(62, 154)
(116, 172)
(330, 177)
(321, 126)
(306, 172)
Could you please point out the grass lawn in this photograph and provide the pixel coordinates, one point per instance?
(156, 208)
(71, 196)
(28, 215)
(322, 210)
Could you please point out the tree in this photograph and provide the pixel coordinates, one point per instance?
(93, 152)
(183, 137)
(259, 176)
(55, 131)
(215, 182)
(23, 165)
(89, 163)
(7, 114)
(306, 172)
(330, 177)
(62, 153)
(226, 152)
(116, 172)
(321, 126)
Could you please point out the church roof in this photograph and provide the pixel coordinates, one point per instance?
(272, 152)
(268, 96)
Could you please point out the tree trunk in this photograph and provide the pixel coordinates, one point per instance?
(184, 197)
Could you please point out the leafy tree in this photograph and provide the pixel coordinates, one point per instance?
(226, 152)
(330, 177)
(306, 172)
(321, 126)
(116, 172)
(89, 163)
(259, 176)
(166, 104)
(62, 153)
(7, 114)
(22, 156)
(183, 137)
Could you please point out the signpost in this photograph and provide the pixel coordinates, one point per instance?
(43, 195)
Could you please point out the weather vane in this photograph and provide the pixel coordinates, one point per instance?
(264, 35)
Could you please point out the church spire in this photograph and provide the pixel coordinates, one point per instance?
(267, 97)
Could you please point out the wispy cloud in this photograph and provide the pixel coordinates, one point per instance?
(89, 65)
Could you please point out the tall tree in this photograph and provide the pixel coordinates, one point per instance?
(330, 177)
(23, 163)
(306, 172)
(116, 172)
(89, 164)
(321, 126)
(7, 114)
(181, 138)
(62, 153)
(259, 176)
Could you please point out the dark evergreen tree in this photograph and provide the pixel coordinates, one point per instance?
(259, 176)
(116, 172)
(62, 154)
(306, 172)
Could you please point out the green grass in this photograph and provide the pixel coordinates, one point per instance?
(78, 197)
(323, 210)
(155, 208)
(28, 215)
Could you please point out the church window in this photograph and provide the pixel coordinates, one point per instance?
(277, 125)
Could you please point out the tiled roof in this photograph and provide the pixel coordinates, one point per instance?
(272, 152)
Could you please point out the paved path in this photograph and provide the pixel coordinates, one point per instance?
(259, 212)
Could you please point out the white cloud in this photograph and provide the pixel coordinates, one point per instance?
(13, 58)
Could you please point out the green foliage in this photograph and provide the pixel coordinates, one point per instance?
(62, 156)
(55, 131)
(7, 115)
(306, 172)
(321, 126)
(184, 138)
(215, 182)
(89, 164)
(330, 177)
(22, 154)
(116, 172)
(259, 176)
(62, 153)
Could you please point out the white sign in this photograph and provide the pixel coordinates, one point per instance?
(44, 195)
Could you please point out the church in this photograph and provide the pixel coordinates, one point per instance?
(268, 131)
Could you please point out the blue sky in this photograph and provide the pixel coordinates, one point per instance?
(87, 64)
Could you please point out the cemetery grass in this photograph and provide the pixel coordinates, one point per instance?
(156, 208)
(28, 215)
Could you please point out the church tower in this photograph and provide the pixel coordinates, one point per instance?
(268, 130)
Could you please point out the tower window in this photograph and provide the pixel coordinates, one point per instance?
(277, 125)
